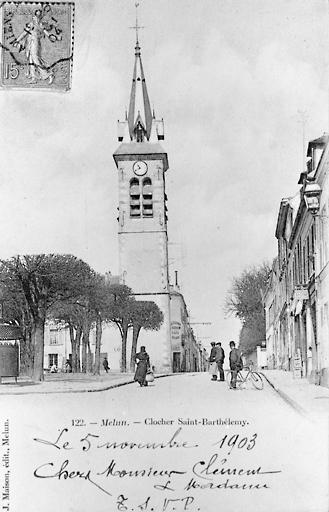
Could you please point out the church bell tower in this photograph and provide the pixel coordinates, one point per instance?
(142, 221)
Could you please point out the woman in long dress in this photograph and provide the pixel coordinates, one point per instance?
(143, 364)
(33, 34)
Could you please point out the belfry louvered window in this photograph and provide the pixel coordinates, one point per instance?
(147, 198)
(135, 198)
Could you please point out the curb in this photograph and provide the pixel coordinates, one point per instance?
(106, 388)
(286, 397)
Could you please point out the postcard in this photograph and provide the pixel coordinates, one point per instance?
(163, 258)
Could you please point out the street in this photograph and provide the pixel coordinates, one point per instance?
(184, 443)
(165, 205)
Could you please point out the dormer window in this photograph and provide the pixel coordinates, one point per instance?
(139, 129)
(139, 132)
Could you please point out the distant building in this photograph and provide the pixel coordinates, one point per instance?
(257, 358)
(297, 296)
(318, 199)
(187, 353)
(58, 349)
(57, 345)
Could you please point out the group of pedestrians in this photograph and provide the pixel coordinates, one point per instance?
(216, 361)
(144, 373)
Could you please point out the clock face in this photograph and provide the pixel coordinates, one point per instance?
(140, 168)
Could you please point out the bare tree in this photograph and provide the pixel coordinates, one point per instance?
(244, 300)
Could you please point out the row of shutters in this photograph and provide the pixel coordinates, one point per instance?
(141, 197)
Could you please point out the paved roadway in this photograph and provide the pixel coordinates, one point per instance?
(282, 450)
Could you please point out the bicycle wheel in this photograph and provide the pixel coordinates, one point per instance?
(240, 381)
(256, 380)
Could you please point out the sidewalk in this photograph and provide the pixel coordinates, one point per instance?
(69, 383)
(65, 383)
(306, 398)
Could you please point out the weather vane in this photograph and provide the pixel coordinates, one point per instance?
(136, 26)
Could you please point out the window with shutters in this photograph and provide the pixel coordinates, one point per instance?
(53, 336)
(135, 198)
(52, 360)
(147, 197)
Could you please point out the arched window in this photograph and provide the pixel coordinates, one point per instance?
(147, 198)
(135, 203)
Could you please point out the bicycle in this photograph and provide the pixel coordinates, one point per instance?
(242, 379)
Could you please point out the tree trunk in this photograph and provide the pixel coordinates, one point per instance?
(98, 345)
(89, 358)
(38, 331)
(85, 343)
(26, 353)
(75, 344)
(78, 344)
(124, 347)
(73, 348)
(136, 331)
(84, 355)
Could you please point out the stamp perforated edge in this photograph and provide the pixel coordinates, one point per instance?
(3, 48)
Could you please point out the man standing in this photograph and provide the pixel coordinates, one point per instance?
(106, 364)
(212, 361)
(219, 358)
(235, 364)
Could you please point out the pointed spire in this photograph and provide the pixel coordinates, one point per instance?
(140, 124)
(139, 106)
(139, 99)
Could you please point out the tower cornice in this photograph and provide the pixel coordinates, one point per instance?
(144, 150)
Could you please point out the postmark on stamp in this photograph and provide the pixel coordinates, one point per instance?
(37, 45)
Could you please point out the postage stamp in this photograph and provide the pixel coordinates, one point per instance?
(37, 45)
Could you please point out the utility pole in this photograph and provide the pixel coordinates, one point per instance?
(303, 118)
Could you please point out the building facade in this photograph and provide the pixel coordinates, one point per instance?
(142, 164)
(321, 281)
(296, 299)
(188, 354)
(57, 345)
(142, 222)
(58, 349)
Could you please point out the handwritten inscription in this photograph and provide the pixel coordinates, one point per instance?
(91, 440)
(218, 463)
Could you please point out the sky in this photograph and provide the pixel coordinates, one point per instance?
(230, 78)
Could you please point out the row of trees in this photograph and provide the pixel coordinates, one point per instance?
(245, 301)
(63, 288)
